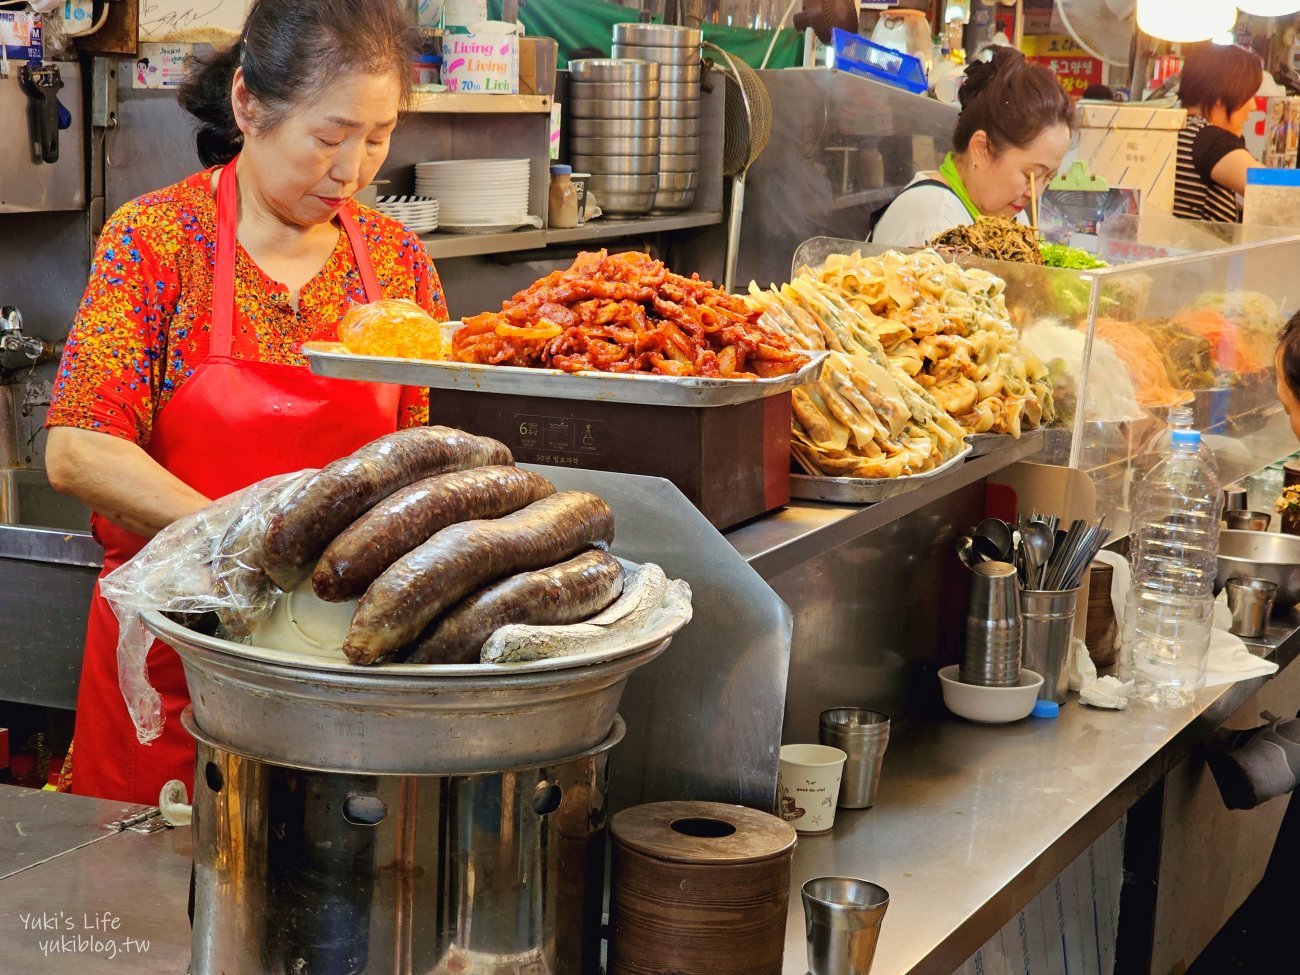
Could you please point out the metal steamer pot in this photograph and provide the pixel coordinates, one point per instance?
(398, 819)
(330, 873)
(401, 719)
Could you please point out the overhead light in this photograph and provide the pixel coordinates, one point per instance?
(1186, 21)
(1226, 39)
(1269, 8)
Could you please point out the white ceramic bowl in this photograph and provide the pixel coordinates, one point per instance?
(989, 705)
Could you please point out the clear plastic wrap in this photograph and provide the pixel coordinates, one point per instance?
(391, 327)
(206, 563)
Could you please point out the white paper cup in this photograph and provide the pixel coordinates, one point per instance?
(808, 784)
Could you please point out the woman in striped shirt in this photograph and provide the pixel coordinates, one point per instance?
(1217, 87)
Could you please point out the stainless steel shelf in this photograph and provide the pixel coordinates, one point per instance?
(872, 197)
(806, 529)
(609, 229)
(471, 245)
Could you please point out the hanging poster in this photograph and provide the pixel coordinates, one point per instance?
(159, 66)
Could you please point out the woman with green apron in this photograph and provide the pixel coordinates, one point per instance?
(1014, 129)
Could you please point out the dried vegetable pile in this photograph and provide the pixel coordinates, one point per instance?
(923, 353)
(995, 238)
(627, 313)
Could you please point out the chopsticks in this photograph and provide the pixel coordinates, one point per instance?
(1033, 200)
(1072, 555)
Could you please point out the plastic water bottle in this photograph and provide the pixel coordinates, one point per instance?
(1174, 547)
(1160, 445)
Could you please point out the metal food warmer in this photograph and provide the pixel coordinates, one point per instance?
(409, 818)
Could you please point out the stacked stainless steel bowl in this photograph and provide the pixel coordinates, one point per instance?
(614, 131)
(677, 52)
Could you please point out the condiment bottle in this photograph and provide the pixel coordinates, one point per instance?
(563, 209)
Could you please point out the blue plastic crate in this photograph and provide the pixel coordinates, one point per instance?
(857, 55)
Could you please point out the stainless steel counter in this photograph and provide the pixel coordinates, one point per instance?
(79, 898)
(973, 821)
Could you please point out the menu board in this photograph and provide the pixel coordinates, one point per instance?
(1073, 66)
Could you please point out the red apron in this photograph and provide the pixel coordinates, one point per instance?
(233, 422)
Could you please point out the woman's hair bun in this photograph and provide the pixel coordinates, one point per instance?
(1011, 100)
(982, 71)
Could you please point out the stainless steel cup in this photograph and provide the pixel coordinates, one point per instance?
(842, 918)
(1048, 625)
(862, 735)
(1249, 521)
(1234, 498)
(993, 627)
(1251, 603)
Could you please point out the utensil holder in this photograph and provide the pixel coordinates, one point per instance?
(1047, 618)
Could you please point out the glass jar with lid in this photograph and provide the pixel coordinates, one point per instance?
(562, 211)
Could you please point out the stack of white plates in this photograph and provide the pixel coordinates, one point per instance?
(484, 195)
(419, 214)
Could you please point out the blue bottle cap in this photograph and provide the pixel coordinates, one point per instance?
(561, 170)
(1046, 709)
(1187, 438)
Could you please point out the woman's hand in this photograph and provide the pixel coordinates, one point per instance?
(117, 479)
(1230, 171)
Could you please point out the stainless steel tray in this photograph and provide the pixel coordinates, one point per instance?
(402, 719)
(330, 359)
(862, 490)
(987, 443)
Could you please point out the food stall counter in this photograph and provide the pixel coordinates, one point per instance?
(973, 821)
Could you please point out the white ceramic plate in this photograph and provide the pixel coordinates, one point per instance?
(453, 164)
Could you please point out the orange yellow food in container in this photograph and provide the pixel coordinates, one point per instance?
(391, 327)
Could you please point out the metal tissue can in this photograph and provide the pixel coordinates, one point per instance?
(303, 870)
(698, 887)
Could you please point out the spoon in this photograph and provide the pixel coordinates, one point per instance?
(986, 549)
(966, 552)
(999, 533)
(1038, 550)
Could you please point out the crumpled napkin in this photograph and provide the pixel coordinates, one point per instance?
(1230, 661)
(1109, 692)
(1105, 693)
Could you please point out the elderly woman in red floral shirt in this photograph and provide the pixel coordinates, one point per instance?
(183, 378)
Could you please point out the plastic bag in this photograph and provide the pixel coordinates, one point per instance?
(208, 562)
(391, 327)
